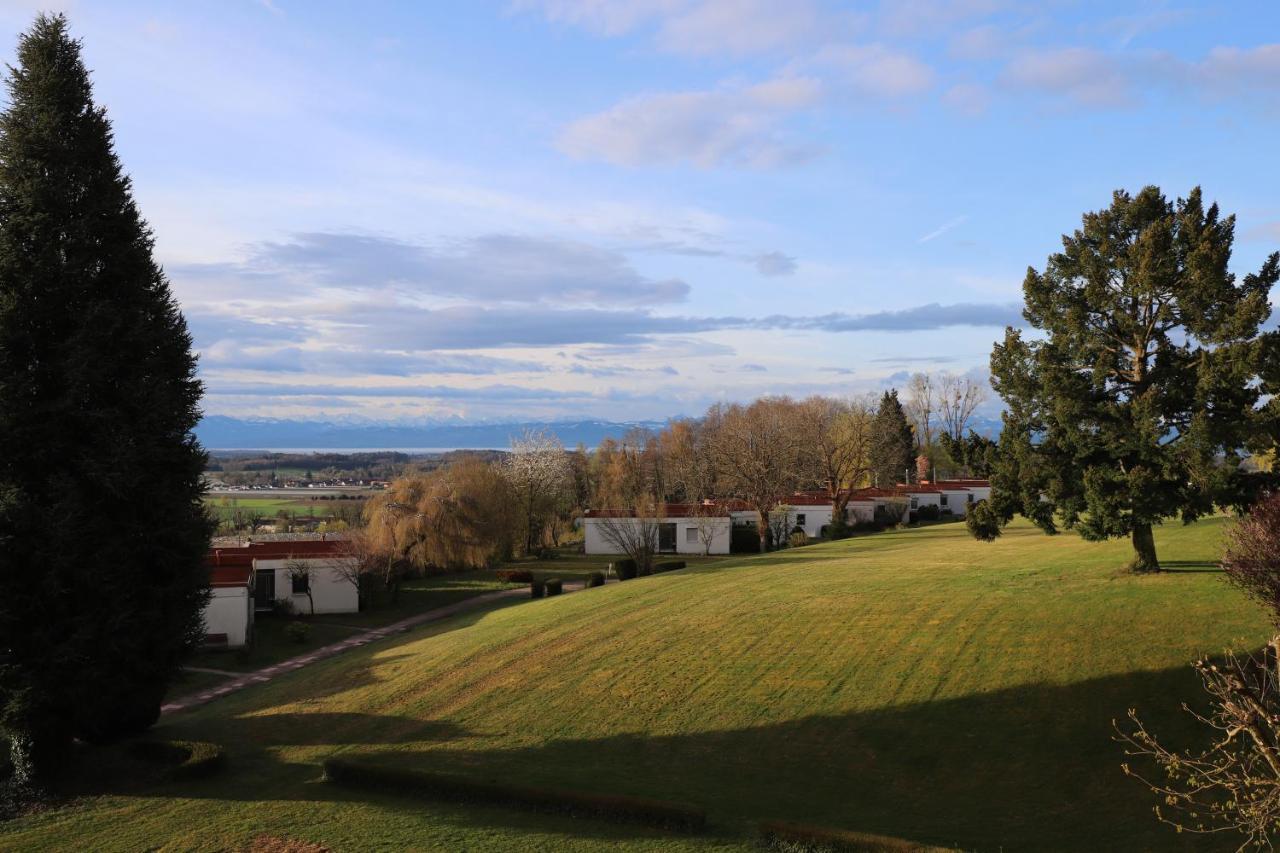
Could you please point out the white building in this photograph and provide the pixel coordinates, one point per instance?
(228, 617)
(259, 576)
(679, 529)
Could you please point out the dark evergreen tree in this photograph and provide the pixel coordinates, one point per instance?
(892, 449)
(102, 526)
(1148, 379)
(974, 454)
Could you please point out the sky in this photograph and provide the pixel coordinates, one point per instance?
(631, 209)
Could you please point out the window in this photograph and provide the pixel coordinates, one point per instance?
(799, 519)
(691, 535)
(915, 503)
(971, 497)
(301, 583)
(943, 500)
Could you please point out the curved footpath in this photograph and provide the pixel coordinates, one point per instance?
(261, 676)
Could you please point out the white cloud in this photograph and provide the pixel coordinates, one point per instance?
(739, 26)
(701, 27)
(1082, 75)
(877, 70)
(728, 127)
(775, 264)
(970, 99)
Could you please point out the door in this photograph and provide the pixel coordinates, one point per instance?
(264, 589)
(667, 537)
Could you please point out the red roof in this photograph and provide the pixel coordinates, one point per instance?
(667, 511)
(230, 577)
(244, 555)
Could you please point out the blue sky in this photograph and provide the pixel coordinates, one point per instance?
(629, 209)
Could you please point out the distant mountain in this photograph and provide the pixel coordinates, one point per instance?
(220, 432)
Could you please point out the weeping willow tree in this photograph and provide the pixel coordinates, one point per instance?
(458, 517)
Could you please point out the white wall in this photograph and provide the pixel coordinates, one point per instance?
(332, 592)
(230, 612)
(596, 541)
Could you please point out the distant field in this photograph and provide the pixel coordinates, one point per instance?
(226, 507)
(911, 683)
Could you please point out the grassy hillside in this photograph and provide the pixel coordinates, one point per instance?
(913, 683)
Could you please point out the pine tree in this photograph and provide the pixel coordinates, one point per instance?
(892, 442)
(102, 526)
(1145, 386)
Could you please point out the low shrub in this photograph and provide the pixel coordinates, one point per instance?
(188, 759)
(867, 527)
(797, 539)
(548, 554)
(515, 575)
(297, 632)
(983, 523)
(624, 569)
(553, 586)
(595, 579)
(801, 838)
(439, 786)
(837, 529)
(537, 589)
(669, 566)
(744, 539)
(928, 513)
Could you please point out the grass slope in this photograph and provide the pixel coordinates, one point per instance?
(913, 683)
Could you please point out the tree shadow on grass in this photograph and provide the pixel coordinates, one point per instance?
(1190, 566)
(1032, 767)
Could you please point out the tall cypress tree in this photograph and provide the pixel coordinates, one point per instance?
(892, 442)
(1149, 378)
(102, 527)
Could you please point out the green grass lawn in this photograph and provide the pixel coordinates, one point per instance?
(912, 683)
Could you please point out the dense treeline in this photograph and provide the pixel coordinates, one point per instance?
(474, 512)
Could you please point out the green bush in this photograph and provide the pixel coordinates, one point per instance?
(983, 523)
(515, 576)
(837, 529)
(537, 589)
(669, 566)
(188, 759)
(867, 527)
(800, 838)
(297, 632)
(439, 786)
(595, 579)
(928, 513)
(553, 586)
(744, 539)
(624, 569)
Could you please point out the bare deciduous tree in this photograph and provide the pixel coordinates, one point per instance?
(922, 406)
(835, 444)
(301, 572)
(710, 520)
(1234, 785)
(634, 531)
(958, 397)
(756, 452)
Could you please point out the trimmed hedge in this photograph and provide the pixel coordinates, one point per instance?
(537, 589)
(669, 566)
(515, 576)
(190, 759)
(929, 512)
(553, 586)
(595, 579)
(802, 838)
(440, 786)
(624, 569)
